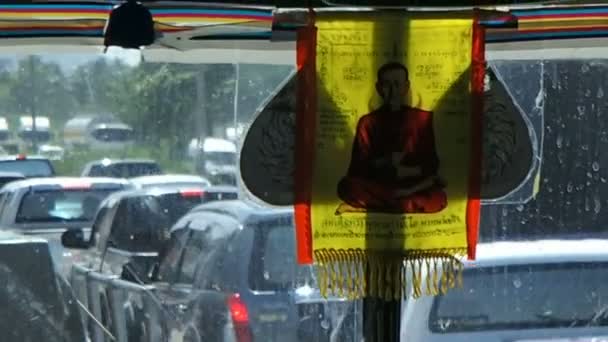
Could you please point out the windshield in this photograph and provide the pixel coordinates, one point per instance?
(125, 170)
(516, 298)
(60, 206)
(220, 83)
(39, 136)
(112, 134)
(28, 168)
(221, 158)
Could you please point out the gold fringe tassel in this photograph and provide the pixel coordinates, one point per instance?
(356, 273)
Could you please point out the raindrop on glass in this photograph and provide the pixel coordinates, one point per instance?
(569, 187)
(580, 110)
(595, 166)
(517, 283)
(597, 204)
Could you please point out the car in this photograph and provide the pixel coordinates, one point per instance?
(170, 180)
(132, 227)
(49, 206)
(230, 274)
(37, 304)
(52, 152)
(7, 177)
(29, 166)
(121, 168)
(508, 295)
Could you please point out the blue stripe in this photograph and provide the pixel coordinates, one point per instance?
(546, 35)
(213, 11)
(524, 13)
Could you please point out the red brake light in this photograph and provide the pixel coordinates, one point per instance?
(238, 310)
(192, 193)
(20, 156)
(76, 185)
(240, 318)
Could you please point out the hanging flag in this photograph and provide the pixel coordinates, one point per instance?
(388, 150)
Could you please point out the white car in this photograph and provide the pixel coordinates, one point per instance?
(551, 290)
(143, 182)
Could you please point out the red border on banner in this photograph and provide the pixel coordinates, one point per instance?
(478, 66)
(306, 109)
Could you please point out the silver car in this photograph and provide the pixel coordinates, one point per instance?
(519, 291)
(47, 207)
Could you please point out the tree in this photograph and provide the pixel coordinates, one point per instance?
(39, 88)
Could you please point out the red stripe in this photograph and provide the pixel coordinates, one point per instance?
(566, 29)
(557, 16)
(226, 16)
(304, 151)
(477, 76)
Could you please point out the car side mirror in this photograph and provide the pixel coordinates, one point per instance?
(74, 238)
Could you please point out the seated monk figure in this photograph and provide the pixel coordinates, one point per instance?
(394, 164)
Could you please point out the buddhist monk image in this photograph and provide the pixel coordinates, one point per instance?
(394, 164)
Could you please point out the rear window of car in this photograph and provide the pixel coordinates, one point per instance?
(517, 297)
(28, 168)
(176, 205)
(273, 264)
(60, 205)
(125, 170)
(139, 225)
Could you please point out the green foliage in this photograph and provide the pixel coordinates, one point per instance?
(164, 103)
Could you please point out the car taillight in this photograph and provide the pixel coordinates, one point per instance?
(192, 193)
(240, 318)
(20, 157)
(76, 186)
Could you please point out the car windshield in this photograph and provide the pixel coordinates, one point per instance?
(112, 134)
(516, 297)
(28, 168)
(60, 205)
(221, 158)
(222, 78)
(125, 170)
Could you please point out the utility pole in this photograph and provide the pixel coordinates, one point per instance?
(201, 120)
(33, 101)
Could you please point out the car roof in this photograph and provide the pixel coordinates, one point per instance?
(122, 161)
(21, 157)
(62, 180)
(167, 178)
(540, 251)
(156, 191)
(243, 211)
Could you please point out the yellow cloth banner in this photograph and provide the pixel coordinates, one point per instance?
(390, 181)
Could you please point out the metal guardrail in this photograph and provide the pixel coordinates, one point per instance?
(127, 311)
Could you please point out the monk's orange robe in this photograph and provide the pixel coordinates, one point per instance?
(371, 184)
